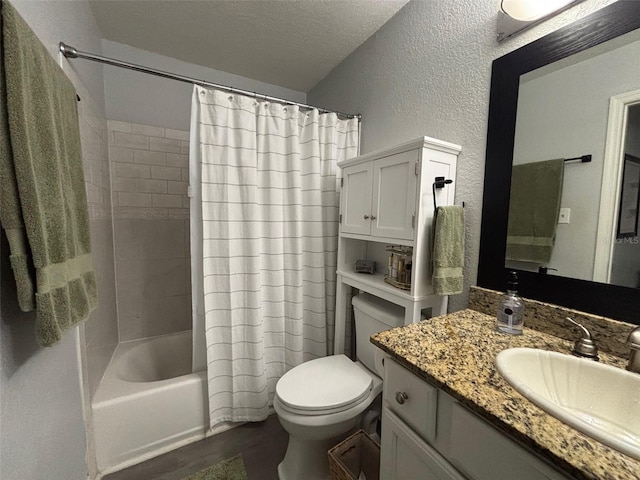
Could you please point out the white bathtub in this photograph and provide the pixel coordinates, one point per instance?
(148, 402)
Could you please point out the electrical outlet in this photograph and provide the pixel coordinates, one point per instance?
(565, 215)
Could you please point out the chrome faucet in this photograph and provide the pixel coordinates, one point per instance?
(585, 346)
(633, 342)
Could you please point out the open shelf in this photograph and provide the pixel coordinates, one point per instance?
(376, 285)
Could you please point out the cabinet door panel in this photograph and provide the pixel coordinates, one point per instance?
(394, 195)
(482, 453)
(405, 456)
(419, 403)
(356, 199)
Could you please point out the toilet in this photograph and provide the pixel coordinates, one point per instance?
(320, 401)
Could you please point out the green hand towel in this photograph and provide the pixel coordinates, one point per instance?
(448, 250)
(536, 192)
(43, 201)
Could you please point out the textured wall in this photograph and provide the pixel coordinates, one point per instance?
(428, 72)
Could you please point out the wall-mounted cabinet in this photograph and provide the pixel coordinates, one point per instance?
(379, 197)
(387, 199)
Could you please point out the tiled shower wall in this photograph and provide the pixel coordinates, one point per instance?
(149, 178)
(100, 331)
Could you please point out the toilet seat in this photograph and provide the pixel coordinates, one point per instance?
(323, 386)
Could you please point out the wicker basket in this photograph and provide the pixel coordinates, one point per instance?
(358, 453)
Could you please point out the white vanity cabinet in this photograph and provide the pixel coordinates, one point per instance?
(427, 434)
(386, 199)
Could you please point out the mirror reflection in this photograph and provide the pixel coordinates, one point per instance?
(574, 192)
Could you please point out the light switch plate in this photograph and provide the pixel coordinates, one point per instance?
(565, 215)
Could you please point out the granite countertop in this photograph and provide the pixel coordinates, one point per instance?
(457, 352)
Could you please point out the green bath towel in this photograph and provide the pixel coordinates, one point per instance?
(43, 205)
(536, 192)
(448, 250)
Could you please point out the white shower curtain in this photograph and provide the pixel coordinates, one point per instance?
(266, 175)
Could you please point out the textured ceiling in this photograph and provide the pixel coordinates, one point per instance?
(293, 44)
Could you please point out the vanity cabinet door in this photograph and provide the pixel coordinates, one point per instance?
(412, 399)
(480, 452)
(356, 198)
(405, 456)
(394, 195)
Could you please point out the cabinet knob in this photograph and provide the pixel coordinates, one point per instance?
(366, 217)
(373, 217)
(401, 397)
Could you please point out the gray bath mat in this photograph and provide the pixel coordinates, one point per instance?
(229, 469)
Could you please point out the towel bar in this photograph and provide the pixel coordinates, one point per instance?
(439, 182)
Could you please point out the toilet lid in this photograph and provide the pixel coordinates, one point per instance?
(329, 383)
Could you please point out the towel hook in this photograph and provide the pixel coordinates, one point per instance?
(439, 182)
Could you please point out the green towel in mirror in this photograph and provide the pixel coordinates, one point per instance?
(536, 192)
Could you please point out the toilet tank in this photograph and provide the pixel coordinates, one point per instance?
(373, 315)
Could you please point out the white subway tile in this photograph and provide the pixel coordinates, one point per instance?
(124, 185)
(97, 124)
(164, 144)
(184, 147)
(94, 195)
(122, 155)
(139, 213)
(177, 188)
(118, 126)
(177, 160)
(132, 170)
(149, 157)
(131, 141)
(169, 201)
(87, 172)
(166, 173)
(178, 213)
(127, 199)
(147, 130)
(176, 134)
(151, 186)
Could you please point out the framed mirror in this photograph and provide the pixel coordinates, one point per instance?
(575, 41)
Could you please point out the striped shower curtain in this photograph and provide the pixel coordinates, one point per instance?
(266, 266)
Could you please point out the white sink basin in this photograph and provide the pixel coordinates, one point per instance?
(599, 400)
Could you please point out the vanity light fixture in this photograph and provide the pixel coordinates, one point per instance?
(515, 16)
(530, 10)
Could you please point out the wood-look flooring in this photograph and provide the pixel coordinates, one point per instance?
(262, 445)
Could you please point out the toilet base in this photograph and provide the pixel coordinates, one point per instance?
(308, 460)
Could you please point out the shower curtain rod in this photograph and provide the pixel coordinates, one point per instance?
(70, 52)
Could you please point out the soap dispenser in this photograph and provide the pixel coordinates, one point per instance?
(510, 318)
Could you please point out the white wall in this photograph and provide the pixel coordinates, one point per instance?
(42, 435)
(564, 114)
(427, 72)
(149, 100)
